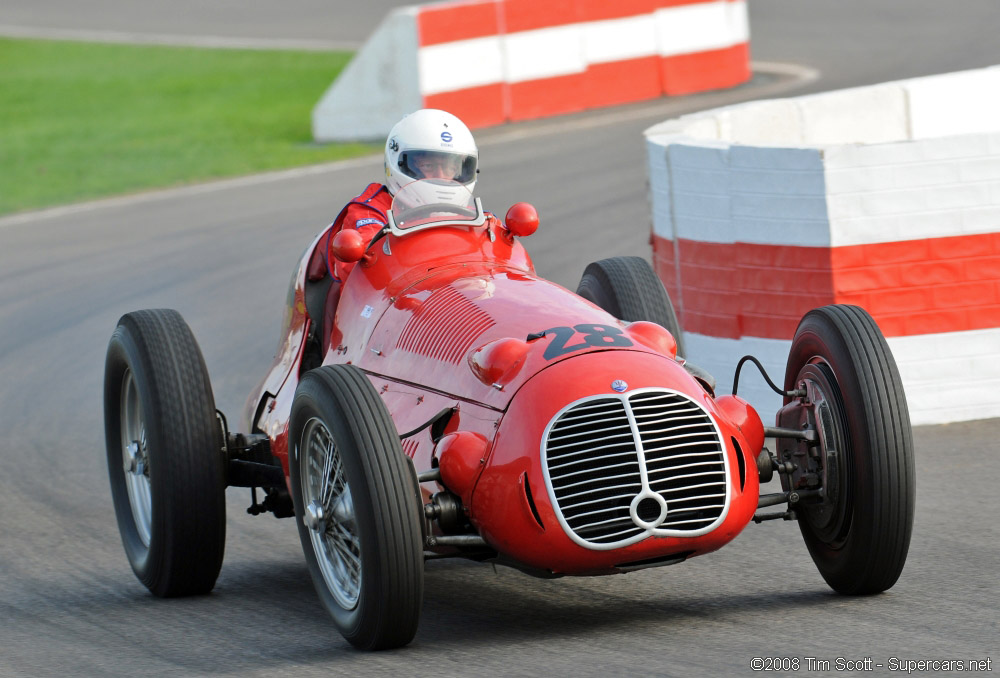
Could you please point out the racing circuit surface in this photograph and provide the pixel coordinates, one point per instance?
(222, 255)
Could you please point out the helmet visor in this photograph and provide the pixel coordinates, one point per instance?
(437, 165)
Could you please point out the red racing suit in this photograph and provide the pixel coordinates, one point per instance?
(366, 214)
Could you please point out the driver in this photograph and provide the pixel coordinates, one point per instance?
(426, 144)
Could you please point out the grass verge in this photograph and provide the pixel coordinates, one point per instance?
(81, 121)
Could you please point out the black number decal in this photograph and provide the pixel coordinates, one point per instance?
(593, 336)
(603, 335)
(558, 345)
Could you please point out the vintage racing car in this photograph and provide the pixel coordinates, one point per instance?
(456, 404)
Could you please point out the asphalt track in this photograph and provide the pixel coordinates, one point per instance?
(222, 254)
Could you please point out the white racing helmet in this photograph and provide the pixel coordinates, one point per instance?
(431, 144)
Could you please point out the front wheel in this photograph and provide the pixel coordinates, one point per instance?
(628, 289)
(859, 534)
(164, 451)
(357, 507)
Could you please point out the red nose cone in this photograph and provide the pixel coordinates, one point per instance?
(521, 219)
(348, 246)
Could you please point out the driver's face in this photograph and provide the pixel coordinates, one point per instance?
(437, 166)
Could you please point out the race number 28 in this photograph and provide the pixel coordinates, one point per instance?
(594, 336)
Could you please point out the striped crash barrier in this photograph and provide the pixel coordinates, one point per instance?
(887, 197)
(494, 61)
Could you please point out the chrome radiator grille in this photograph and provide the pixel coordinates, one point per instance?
(620, 468)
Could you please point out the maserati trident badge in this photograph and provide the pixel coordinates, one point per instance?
(619, 386)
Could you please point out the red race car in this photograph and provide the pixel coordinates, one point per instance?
(457, 405)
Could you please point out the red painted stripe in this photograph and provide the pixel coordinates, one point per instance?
(620, 82)
(600, 10)
(527, 15)
(476, 106)
(714, 69)
(453, 21)
(914, 287)
(547, 96)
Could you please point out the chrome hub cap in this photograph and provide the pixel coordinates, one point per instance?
(135, 459)
(329, 514)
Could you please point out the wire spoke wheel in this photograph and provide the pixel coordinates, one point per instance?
(330, 514)
(357, 506)
(135, 458)
(164, 453)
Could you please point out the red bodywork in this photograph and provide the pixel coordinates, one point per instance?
(452, 317)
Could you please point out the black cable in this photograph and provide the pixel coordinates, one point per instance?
(739, 366)
(427, 423)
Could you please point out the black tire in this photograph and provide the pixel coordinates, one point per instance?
(361, 534)
(160, 421)
(629, 289)
(860, 536)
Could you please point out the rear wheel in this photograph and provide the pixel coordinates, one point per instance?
(357, 506)
(628, 289)
(165, 459)
(859, 534)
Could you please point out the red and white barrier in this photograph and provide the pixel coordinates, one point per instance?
(887, 197)
(492, 61)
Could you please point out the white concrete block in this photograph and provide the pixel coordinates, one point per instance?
(776, 122)
(926, 174)
(543, 53)
(618, 39)
(955, 103)
(963, 412)
(778, 182)
(656, 164)
(867, 230)
(701, 205)
(711, 155)
(701, 181)
(700, 27)
(863, 115)
(899, 201)
(764, 158)
(985, 219)
(845, 206)
(377, 88)
(872, 155)
(861, 179)
(943, 403)
(667, 128)
(986, 168)
(777, 230)
(453, 66)
(807, 207)
(983, 344)
(958, 369)
(958, 196)
(955, 147)
(703, 229)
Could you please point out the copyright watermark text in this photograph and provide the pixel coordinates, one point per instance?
(868, 664)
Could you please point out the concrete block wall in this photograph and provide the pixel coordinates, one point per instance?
(492, 61)
(887, 197)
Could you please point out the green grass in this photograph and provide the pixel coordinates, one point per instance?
(80, 121)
